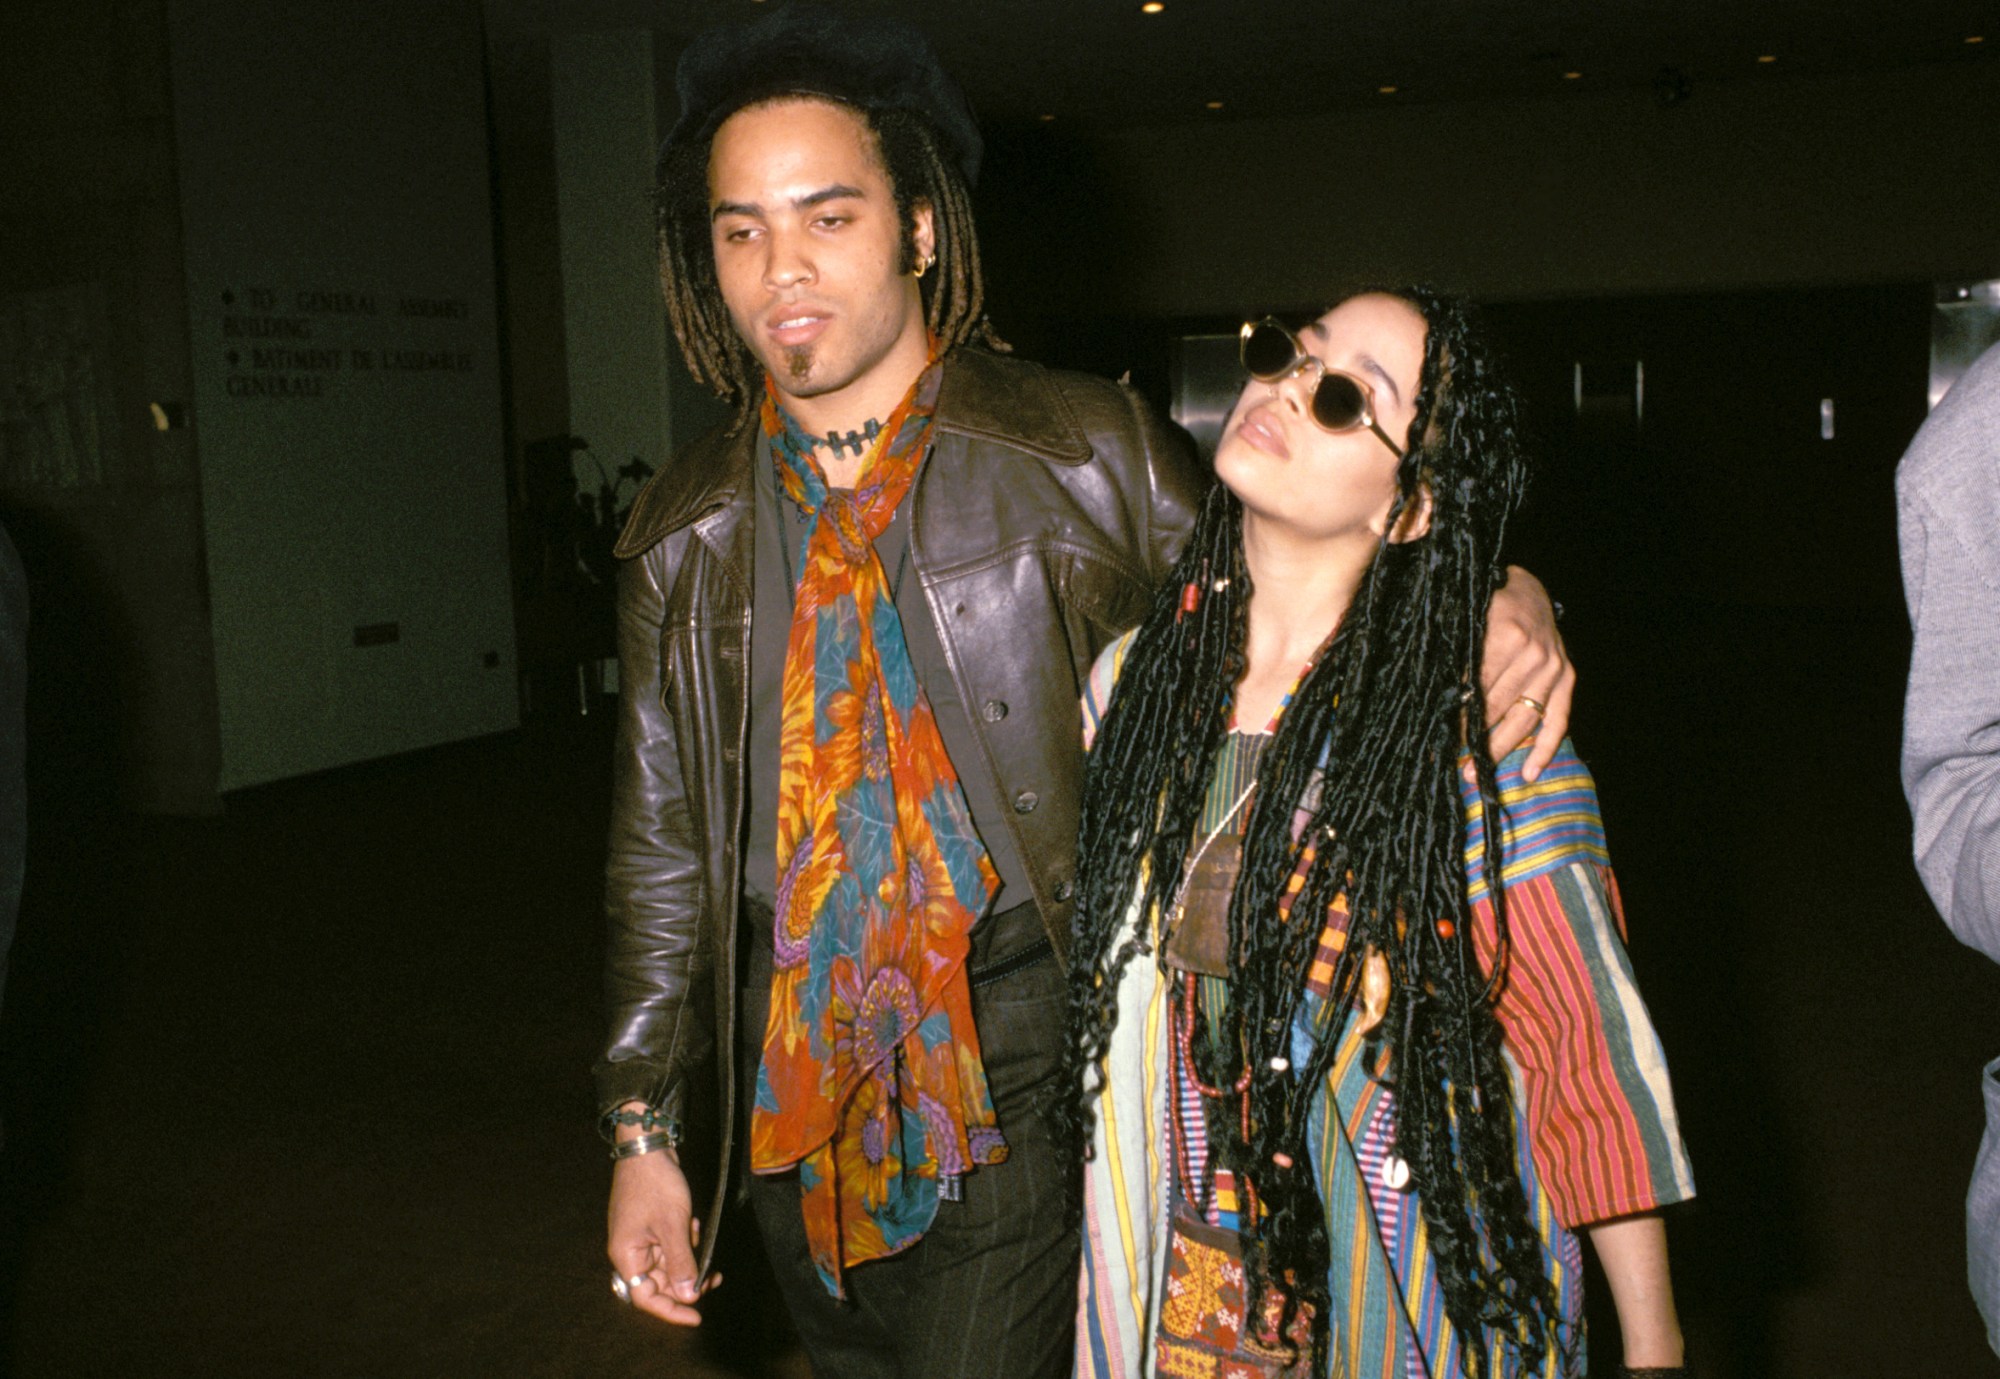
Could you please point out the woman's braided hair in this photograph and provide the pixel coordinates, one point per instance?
(920, 172)
(1387, 713)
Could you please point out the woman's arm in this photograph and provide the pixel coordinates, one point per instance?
(1633, 1251)
(1594, 1088)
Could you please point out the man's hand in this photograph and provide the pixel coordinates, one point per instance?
(1525, 661)
(653, 1235)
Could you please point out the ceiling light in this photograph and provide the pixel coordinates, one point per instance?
(1385, 90)
(1572, 76)
(1768, 57)
(1151, 7)
(1975, 38)
(1215, 105)
(1047, 118)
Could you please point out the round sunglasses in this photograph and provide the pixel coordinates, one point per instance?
(1340, 401)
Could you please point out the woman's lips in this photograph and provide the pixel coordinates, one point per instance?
(1260, 432)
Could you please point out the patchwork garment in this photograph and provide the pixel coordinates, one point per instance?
(871, 1082)
(1598, 1135)
(1207, 1326)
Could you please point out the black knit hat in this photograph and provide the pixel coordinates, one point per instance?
(806, 48)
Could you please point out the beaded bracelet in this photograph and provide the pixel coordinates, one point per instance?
(643, 1144)
(648, 1120)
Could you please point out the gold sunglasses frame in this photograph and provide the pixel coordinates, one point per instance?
(1303, 359)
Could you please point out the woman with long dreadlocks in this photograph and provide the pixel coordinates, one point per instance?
(1356, 1040)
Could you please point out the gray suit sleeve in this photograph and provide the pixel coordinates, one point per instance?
(1948, 492)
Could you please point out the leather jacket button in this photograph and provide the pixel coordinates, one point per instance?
(1025, 802)
(1064, 890)
(993, 711)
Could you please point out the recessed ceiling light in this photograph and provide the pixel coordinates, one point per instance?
(1385, 90)
(1975, 38)
(1215, 105)
(1047, 118)
(1572, 76)
(1768, 57)
(1151, 7)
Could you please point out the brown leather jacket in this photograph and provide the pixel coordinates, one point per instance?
(1050, 506)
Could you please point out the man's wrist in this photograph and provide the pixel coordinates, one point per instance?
(647, 1167)
(636, 1118)
(649, 1142)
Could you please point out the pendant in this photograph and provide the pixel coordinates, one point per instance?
(857, 441)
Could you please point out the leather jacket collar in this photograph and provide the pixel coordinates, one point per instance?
(977, 401)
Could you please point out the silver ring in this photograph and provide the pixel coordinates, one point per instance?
(621, 1287)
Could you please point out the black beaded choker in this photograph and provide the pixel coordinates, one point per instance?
(857, 441)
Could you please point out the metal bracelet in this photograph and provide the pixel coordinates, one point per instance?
(644, 1144)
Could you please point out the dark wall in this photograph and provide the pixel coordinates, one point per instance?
(1890, 176)
(1711, 480)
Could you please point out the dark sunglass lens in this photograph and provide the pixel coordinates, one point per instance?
(1268, 351)
(1337, 402)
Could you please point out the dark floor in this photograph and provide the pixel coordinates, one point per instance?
(301, 1090)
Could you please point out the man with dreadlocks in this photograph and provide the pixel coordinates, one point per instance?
(1356, 1042)
(853, 628)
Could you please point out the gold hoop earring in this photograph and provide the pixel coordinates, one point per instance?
(924, 266)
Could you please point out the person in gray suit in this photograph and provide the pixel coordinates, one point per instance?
(1948, 512)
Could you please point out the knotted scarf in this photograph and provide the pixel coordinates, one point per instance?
(871, 1081)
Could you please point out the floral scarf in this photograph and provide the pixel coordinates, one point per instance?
(871, 1082)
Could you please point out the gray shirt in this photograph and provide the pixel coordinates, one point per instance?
(770, 628)
(1948, 510)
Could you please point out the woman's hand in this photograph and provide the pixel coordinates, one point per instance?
(1525, 673)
